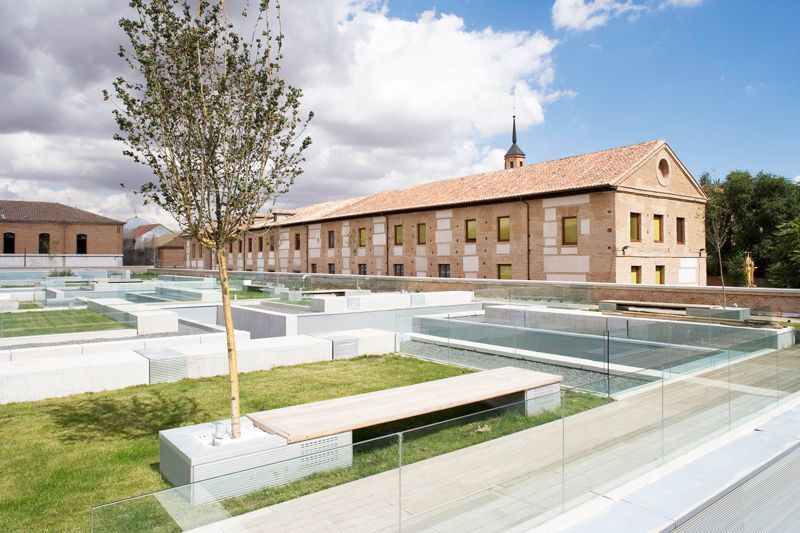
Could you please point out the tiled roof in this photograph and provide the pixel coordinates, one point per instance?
(310, 213)
(22, 211)
(138, 231)
(588, 171)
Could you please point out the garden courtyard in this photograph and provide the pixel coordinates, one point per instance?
(63, 456)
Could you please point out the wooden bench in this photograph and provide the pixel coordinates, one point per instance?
(340, 415)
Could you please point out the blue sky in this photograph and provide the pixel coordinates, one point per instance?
(719, 81)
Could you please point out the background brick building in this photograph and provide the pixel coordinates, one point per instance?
(627, 214)
(52, 235)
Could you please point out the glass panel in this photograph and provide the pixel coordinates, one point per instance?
(472, 230)
(422, 234)
(398, 235)
(362, 237)
(635, 226)
(504, 271)
(570, 230)
(504, 228)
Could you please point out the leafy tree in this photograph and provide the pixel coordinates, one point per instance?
(718, 230)
(785, 268)
(207, 111)
(353, 244)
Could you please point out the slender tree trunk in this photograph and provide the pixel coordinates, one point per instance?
(232, 365)
(722, 277)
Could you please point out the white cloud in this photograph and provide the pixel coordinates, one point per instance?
(584, 15)
(397, 102)
(797, 179)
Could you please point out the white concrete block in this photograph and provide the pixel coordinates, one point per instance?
(43, 352)
(151, 322)
(571, 264)
(550, 214)
(443, 223)
(378, 227)
(577, 199)
(113, 346)
(378, 239)
(31, 380)
(470, 264)
(444, 236)
(444, 213)
(550, 229)
(585, 226)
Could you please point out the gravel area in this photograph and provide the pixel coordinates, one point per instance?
(573, 377)
(183, 329)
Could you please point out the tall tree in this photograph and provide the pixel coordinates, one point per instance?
(784, 270)
(718, 230)
(207, 111)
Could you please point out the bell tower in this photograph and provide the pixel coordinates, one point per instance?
(515, 157)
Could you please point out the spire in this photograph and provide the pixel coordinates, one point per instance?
(514, 130)
(515, 157)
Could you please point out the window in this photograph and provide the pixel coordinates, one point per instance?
(569, 230)
(44, 243)
(331, 268)
(296, 241)
(680, 230)
(636, 227)
(503, 229)
(422, 234)
(472, 230)
(660, 273)
(261, 244)
(313, 268)
(362, 269)
(398, 235)
(331, 239)
(80, 244)
(636, 274)
(272, 243)
(658, 228)
(444, 271)
(230, 248)
(362, 237)
(9, 240)
(240, 246)
(250, 244)
(399, 269)
(503, 271)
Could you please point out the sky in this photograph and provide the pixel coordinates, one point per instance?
(410, 91)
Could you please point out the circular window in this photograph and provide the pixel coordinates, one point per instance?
(663, 172)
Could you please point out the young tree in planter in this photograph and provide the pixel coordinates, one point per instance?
(207, 111)
(353, 244)
(718, 230)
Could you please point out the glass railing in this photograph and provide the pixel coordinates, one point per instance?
(628, 405)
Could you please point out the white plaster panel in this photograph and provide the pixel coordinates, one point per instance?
(442, 249)
(503, 248)
(687, 275)
(549, 242)
(566, 277)
(346, 262)
(378, 239)
(445, 213)
(422, 274)
(379, 263)
(378, 220)
(569, 250)
(550, 214)
(397, 250)
(378, 251)
(577, 199)
(444, 236)
(585, 226)
(345, 252)
(420, 263)
(297, 254)
(442, 223)
(313, 252)
(470, 249)
(422, 251)
(571, 263)
(379, 227)
(362, 252)
(550, 229)
(471, 264)
(688, 262)
(330, 252)
(550, 251)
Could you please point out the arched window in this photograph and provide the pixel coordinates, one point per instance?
(80, 244)
(44, 243)
(8, 242)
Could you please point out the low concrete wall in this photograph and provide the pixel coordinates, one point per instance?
(147, 320)
(68, 337)
(38, 379)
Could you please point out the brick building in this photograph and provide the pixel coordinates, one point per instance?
(627, 214)
(52, 235)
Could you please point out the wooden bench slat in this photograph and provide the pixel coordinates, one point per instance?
(338, 415)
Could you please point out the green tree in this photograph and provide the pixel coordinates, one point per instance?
(207, 111)
(718, 230)
(784, 270)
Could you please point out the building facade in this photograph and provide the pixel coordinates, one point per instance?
(52, 235)
(632, 214)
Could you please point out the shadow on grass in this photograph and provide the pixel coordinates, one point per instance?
(129, 417)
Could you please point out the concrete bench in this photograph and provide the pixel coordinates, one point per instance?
(283, 445)
(698, 310)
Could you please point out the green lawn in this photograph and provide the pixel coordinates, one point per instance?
(60, 457)
(46, 322)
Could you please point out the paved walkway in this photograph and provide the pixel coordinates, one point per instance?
(508, 481)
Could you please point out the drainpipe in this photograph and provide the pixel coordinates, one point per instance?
(528, 235)
(308, 259)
